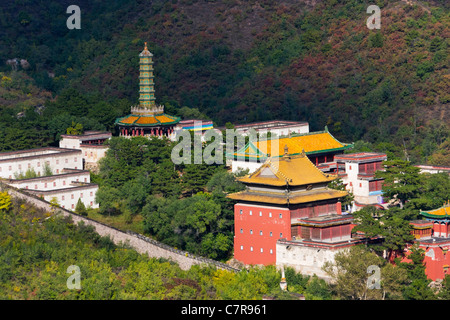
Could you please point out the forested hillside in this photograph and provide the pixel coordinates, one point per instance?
(238, 61)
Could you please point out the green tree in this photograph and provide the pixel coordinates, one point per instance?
(75, 128)
(80, 208)
(417, 288)
(402, 181)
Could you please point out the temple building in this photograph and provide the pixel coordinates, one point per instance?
(357, 171)
(433, 236)
(287, 214)
(147, 119)
(320, 147)
(91, 144)
(51, 173)
(276, 128)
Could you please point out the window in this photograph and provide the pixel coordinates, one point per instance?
(250, 212)
(281, 234)
(45, 185)
(281, 216)
(71, 196)
(67, 160)
(270, 233)
(240, 211)
(35, 186)
(64, 182)
(20, 167)
(10, 168)
(91, 193)
(270, 214)
(260, 232)
(62, 198)
(242, 230)
(251, 231)
(81, 195)
(251, 249)
(271, 251)
(262, 250)
(57, 161)
(260, 213)
(38, 164)
(242, 247)
(73, 206)
(54, 184)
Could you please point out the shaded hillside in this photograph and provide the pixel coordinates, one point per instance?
(242, 61)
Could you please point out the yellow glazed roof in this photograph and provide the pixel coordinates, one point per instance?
(288, 170)
(442, 212)
(309, 143)
(313, 142)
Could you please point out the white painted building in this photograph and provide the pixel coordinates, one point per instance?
(67, 182)
(276, 127)
(14, 163)
(91, 144)
(357, 172)
(433, 169)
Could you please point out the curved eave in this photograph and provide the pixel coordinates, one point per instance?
(435, 216)
(157, 123)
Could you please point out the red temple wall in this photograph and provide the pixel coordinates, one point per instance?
(436, 260)
(259, 230)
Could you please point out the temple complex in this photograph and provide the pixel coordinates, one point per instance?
(288, 207)
(320, 147)
(147, 119)
(433, 236)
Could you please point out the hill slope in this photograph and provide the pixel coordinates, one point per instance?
(243, 61)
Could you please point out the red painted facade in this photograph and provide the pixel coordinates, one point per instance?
(257, 229)
(437, 257)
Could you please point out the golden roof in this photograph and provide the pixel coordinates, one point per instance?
(313, 142)
(288, 170)
(147, 120)
(442, 212)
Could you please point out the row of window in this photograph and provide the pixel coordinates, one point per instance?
(261, 233)
(250, 213)
(260, 250)
(73, 205)
(39, 164)
(54, 183)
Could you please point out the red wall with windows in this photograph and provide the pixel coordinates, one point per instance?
(258, 230)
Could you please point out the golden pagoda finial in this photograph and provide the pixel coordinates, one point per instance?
(145, 46)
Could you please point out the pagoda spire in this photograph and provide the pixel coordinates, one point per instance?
(146, 84)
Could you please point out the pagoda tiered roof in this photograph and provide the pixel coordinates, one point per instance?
(291, 179)
(147, 120)
(311, 143)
